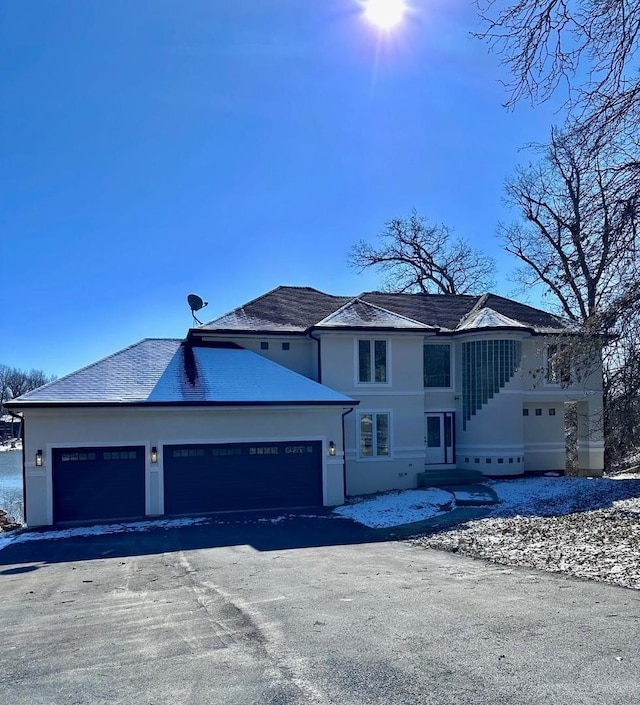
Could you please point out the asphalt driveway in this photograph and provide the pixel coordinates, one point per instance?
(302, 610)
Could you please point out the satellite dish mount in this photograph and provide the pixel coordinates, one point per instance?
(195, 304)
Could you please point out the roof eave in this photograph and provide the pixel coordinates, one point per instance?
(199, 332)
(489, 329)
(182, 404)
(373, 329)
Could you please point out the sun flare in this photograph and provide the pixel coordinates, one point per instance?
(385, 14)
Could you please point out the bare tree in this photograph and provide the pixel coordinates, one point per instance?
(14, 382)
(5, 390)
(586, 48)
(578, 238)
(579, 230)
(416, 256)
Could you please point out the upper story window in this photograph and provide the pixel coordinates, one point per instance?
(437, 365)
(558, 364)
(372, 362)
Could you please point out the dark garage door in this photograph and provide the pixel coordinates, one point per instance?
(98, 483)
(210, 478)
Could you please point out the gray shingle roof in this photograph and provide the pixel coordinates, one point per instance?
(153, 371)
(285, 309)
(440, 310)
(363, 314)
(300, 309)
(128, 375)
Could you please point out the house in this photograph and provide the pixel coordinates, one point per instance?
(9, 427)
(300, 398)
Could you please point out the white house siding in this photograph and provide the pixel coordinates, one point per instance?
(498, 439)
(301, 357)
(47, 429)
(544, 436)
(587, 392)
(532, 442)
(402, 397)
(492, 440)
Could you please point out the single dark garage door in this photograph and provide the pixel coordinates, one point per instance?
(210, 478)
(98, 483)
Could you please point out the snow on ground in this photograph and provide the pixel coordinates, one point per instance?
(394, 508)
(587, 528)
(548, 496)
(96, 530)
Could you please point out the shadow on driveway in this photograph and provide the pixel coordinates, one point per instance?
(264, 531)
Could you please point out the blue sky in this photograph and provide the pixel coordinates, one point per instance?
(154, 149)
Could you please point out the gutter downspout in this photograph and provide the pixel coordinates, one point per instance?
(24, 471)
(313, 337)
(344, 455)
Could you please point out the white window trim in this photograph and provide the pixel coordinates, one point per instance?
(373, 458)
(452, 367)
(356, 358)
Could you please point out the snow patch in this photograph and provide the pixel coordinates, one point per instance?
(97, 530)
(396, 508)
(586, 527)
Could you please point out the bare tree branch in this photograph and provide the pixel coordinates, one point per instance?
(416, 256)
(579, 236)
(583, 48)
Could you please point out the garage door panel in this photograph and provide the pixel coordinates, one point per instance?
(207, 478)
(98, 483)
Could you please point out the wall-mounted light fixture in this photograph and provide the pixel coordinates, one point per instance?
(154, 455)
(332, 448)
(39, 458)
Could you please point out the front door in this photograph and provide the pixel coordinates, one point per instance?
(439, 438)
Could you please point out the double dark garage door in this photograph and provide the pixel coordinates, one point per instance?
(109, 483)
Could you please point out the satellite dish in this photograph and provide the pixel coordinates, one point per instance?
(195, 304)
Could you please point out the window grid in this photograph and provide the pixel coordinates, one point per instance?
(487, 365)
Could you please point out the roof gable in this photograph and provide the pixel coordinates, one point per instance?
(362, 314)
(488, 318)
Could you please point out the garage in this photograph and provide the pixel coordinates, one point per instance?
(215, 477)
(98, 483)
